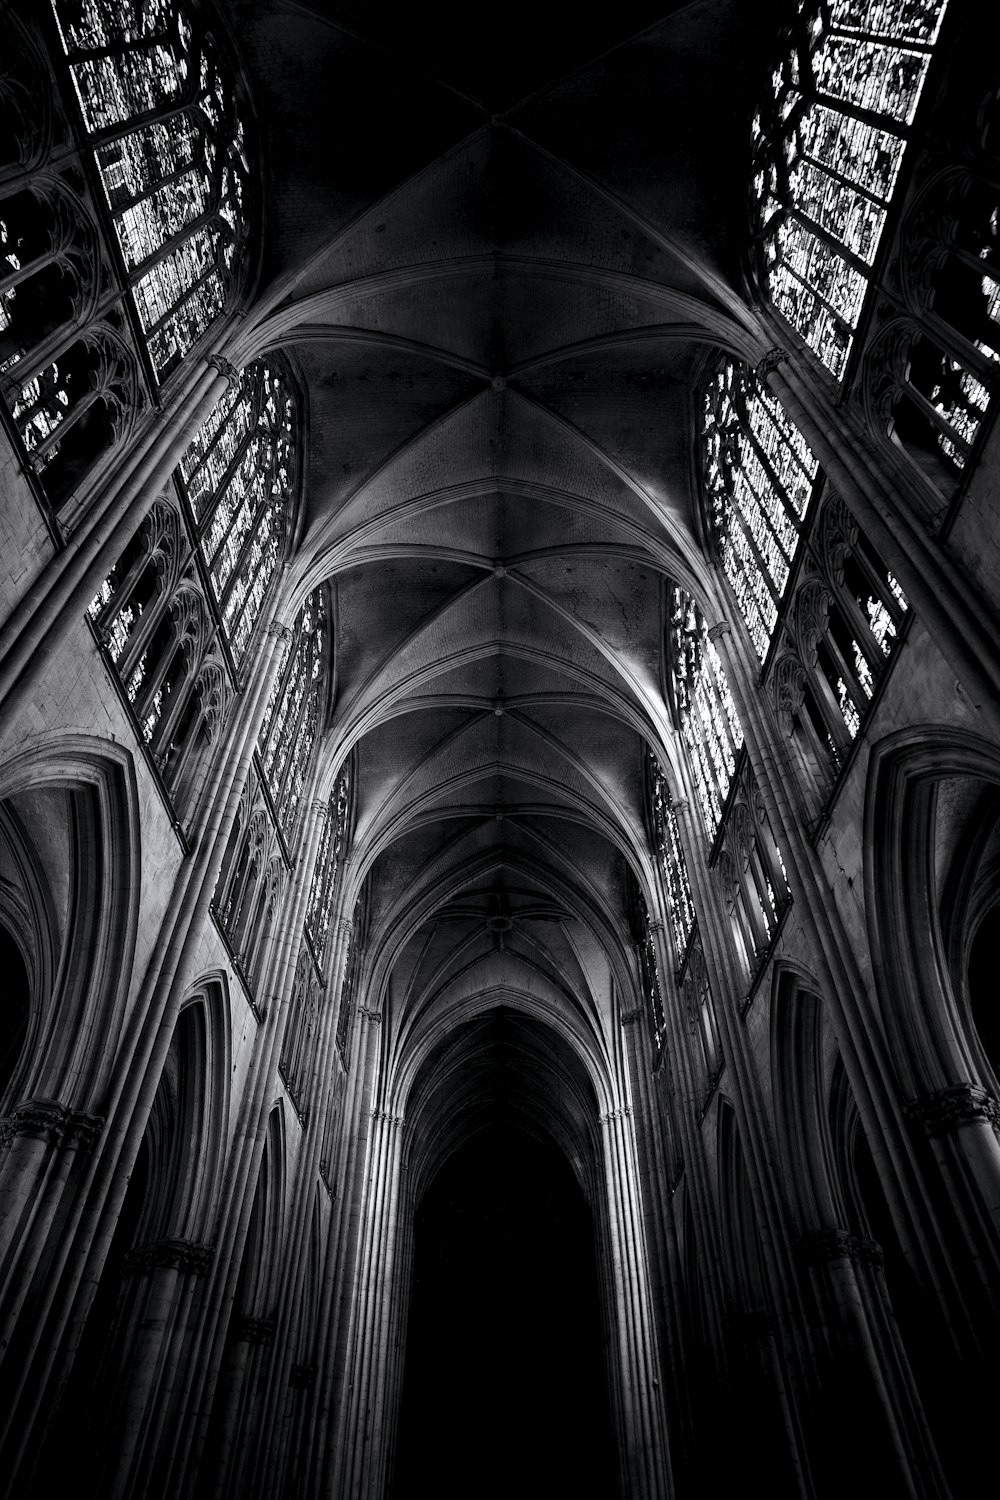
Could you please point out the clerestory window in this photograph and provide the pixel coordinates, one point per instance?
(828, 146)
(292, 719)
(760, 479)
(705, 709)
(165, 129)
(238, 478)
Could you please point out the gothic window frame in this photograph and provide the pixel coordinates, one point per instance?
(239, 481)
(203, 87)
(829, 145)
(296, 711)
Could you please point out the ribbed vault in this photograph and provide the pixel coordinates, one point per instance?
(499, 272)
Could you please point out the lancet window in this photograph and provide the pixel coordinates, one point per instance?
(329, 859)
(931, 373)
(238, 478)
(743, 848)
(837, 639)
(292, 719)
(300, 1030)
(754, 881)
(828, 146)
(760, 479)
(352, 964)
(645, 948)
(158, 635)
(250, 885)
(705, 709)
(673, 865)
(165, 128)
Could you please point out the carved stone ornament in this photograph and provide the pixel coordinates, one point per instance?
(173, 1255)
(616, 1114)
(630, 1017)
(373, 1017)
(48, 1120)
(720, 628)
(821, 1246)
(302, 1377)
(769, 362)
(949, 1109)
(225, 367)
(258, 1331)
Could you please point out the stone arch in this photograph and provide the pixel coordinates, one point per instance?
(69, 850)
(802, 1124)
(932, 822)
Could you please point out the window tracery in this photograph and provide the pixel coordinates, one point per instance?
(673, 865)
(760, 479)
(329, 860)
(645, 949)
(238, 478)
(828, 147)
(355, 949)
(293, 714)
(303, 1015)
(250, 885)
(151, 618)
(706, 712)
(169, 143)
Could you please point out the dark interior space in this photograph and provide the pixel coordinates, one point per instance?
(505, 1392)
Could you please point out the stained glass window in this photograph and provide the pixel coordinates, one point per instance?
(329, 859)
(293, 713)
(760, 478)
(170, 148)
(708, 719)
(828, 148)
(670, 853)
(238, 477)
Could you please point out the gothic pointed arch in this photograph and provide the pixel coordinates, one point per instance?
(71, 838)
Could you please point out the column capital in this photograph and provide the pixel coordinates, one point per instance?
(630, 1017)
(280, 632)
(318, 806)
(616, 1114)
(373, 1017)
(719, 629)
(949, 1109)
(225, 367)
(819, 1247)
(172, 1255)
(259, 1331)
(769, 362)
(48, 1120)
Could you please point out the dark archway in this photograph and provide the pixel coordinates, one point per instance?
(505, 1391)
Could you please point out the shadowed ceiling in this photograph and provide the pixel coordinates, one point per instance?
(499, 247)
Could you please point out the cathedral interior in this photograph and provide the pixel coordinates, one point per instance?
(499, 749)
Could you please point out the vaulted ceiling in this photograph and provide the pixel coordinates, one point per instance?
(499, 247)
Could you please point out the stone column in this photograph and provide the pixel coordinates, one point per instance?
(961, 1124)
(642, 1439)
(41, 1142)
(76, 1261)
(366, 1427)
(145, 1404)
(868, 1387)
